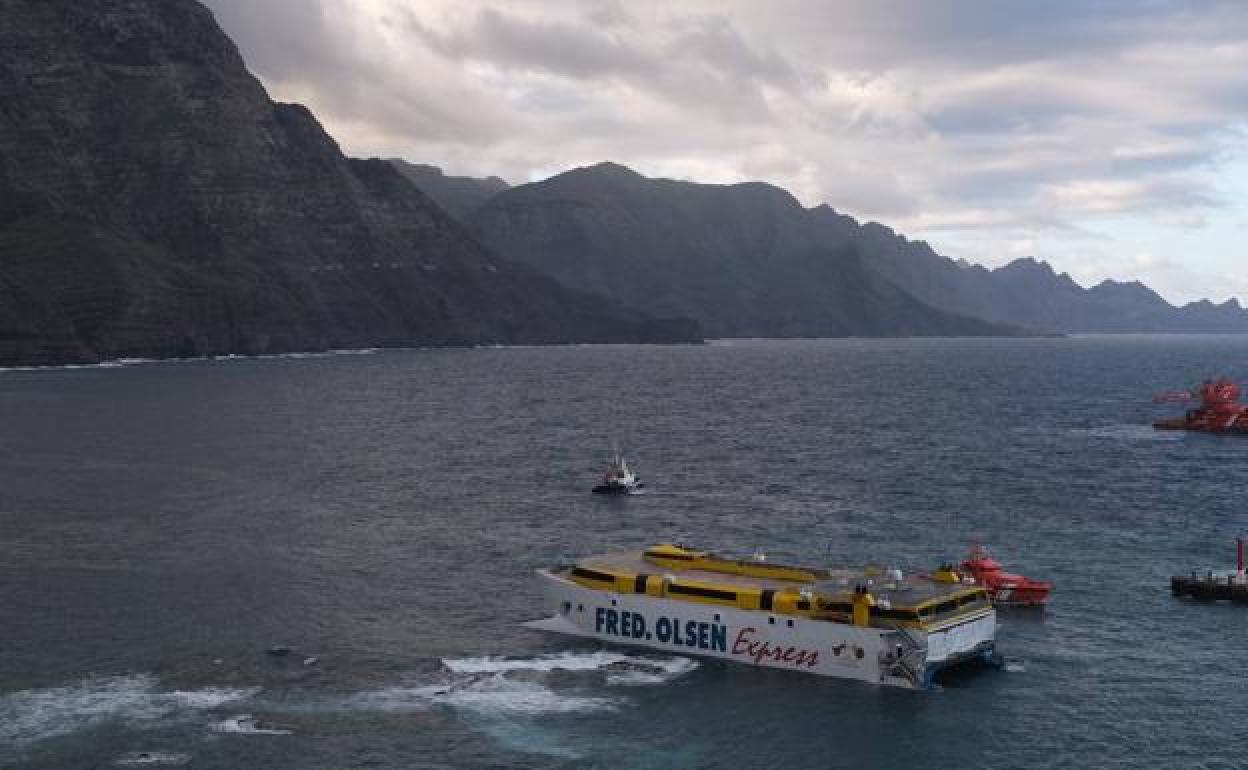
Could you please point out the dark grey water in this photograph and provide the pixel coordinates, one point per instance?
(162, 525)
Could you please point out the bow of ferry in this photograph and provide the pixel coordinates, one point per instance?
(877, 627)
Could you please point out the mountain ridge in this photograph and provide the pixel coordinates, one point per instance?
(1029, 292)
(460, 196)
(1025, 293)
(741, 259)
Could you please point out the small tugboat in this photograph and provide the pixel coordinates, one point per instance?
(1213, 585)
(1006, 589)
(883, 628)
(618, 480)
(1219, 412)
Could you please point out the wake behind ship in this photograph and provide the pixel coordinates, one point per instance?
(882, 628)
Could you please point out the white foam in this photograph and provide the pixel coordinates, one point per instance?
(499, 695)
(398, 699)
(124, 362)
(29, 716)
(34, 715)
(489, 695)
(211, 697)
(671, 666)
(103, 365)
(245, 724)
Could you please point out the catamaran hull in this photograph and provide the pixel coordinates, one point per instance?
(900, 658)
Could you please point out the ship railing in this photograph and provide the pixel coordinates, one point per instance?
(907, 658)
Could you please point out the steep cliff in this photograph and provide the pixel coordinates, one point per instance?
(155, 201)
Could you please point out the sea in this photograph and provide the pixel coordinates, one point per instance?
(324, 561)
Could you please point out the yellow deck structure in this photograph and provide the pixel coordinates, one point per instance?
(879, 598)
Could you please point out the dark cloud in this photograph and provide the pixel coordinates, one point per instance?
(999, 126)
(698, 61)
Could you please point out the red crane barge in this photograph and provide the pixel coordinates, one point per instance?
(1220, 410)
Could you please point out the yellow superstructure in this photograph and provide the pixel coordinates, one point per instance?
(685, 574)
(679, 557)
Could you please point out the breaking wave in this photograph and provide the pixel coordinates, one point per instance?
(490, 686)
(30, 716)
(557, 683)
(494, 694)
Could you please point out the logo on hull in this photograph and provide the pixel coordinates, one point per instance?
(700, 635)
(696, 634)
(760, 650)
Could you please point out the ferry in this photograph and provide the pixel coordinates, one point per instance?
(880, 627)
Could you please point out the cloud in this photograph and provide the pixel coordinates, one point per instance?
(977, 126)
(555, 47)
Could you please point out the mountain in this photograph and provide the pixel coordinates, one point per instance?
(460, 196)
(743, 260)
(155, 202)
(749, 260)
(1026, 292)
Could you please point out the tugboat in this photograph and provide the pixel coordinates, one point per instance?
(1005, 589)
(618, 480)
(1214, 585)
(883, 628)
(1219, 412)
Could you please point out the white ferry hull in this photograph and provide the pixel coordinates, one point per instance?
(875, 655)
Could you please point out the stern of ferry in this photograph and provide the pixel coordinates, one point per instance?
(965, 641)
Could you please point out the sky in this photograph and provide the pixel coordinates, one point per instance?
(1108, 138)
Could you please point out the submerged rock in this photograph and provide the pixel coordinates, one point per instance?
(634, 666)
(152, 758)
(246, 724)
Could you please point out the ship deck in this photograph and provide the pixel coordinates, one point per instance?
(910, 591)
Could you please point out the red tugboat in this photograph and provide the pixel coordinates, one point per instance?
(1219, 412)
(1005, 589)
